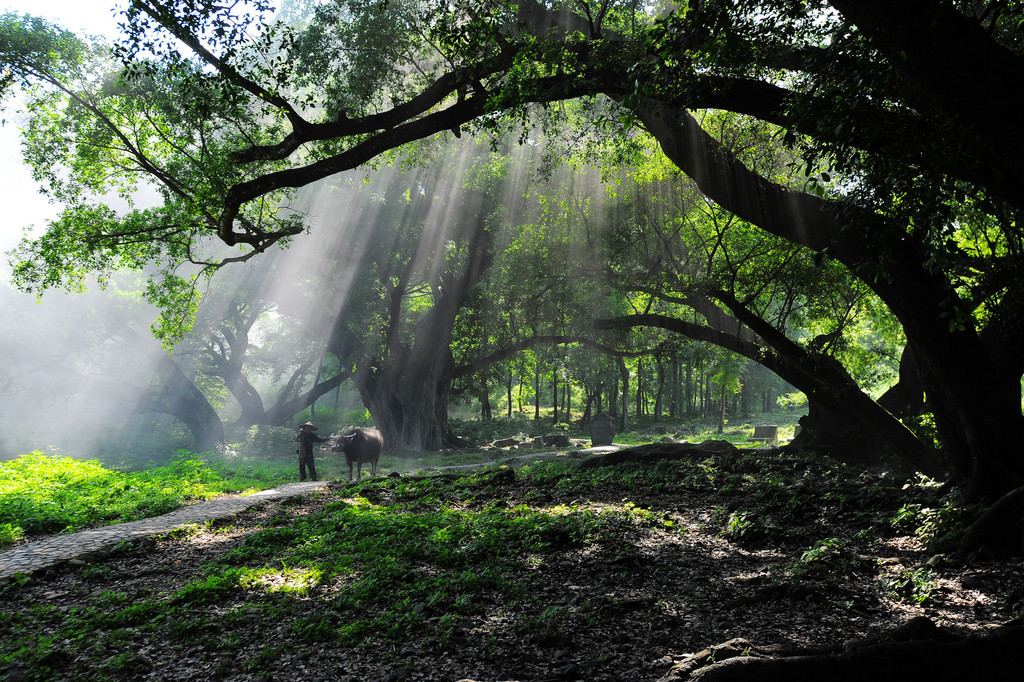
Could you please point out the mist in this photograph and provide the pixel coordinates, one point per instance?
(80, 369)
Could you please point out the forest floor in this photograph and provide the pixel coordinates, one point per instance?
(533, 571)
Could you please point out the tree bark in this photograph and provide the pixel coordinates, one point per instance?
(408, 399)
(407, 388)
(936, 657)
(554, 393)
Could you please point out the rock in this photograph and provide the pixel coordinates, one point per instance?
(555, 440)
(397, 676)
(602, 429)
(504, 475)
(505, 442)
(718, 447)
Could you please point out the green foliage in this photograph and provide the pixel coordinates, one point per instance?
(824, 566)
(935, 526)
(50, 494)
(414, 556)
(392, 561)
(909, 585)
(739, 525)
(47, 494)
(261, 440)
(830, 556)
(10, 533)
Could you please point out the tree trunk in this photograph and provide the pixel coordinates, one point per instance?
(508, 395)
(838, 435)
(179, 397)
(639, 387)
(568, 401)
(316, 380)
(485, 401)
(536, 393)
(519, 396)
(819, 376)
(747, 391)
(407, 390)
(936, 656)
(624, 416)
(706, 397)
(976, 404)
(673, 404)
(587, 412)
(554, 394)
(659, 396)
(721, 414)
(689, 389)
(408, 399)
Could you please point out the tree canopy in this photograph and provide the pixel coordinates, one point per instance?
(907, 162)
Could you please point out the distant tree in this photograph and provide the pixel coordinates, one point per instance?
(74, 386)
(285, 359)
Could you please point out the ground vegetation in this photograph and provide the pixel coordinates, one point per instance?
(532, 568)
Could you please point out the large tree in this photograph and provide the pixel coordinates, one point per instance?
(899, 109)
(690, 267)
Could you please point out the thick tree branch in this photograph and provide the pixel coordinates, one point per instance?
(952, 61)
(819, 377)
(513, 349)
(796, 216)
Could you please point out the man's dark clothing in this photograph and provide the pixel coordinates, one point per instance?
(306, 439)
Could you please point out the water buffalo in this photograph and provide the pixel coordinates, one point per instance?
(361, 446)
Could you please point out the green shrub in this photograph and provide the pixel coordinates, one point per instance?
(909, 585)
(826, 564)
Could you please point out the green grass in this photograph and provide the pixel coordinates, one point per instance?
(407, 556)
(51, 494)
(403, 558)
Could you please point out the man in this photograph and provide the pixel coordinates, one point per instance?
(306, 439)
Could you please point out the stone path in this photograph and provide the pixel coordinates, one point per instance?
(42, 554)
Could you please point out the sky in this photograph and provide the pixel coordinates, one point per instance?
(21, 203)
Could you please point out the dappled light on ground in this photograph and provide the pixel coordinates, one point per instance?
(618, 572)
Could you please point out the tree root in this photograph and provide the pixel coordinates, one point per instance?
(999, 531)
(654, 452)
(918, 650)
